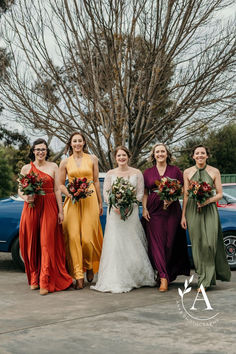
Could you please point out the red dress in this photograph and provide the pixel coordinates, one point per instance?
(41, 240)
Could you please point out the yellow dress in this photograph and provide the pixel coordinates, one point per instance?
(81, 226)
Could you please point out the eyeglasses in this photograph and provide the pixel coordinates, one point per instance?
(40, 150)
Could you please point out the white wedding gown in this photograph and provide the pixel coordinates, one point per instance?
(124, 263)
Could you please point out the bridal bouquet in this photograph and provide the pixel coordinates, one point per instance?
(200, 191)
(122, 196)
(168, 189)
(79, 189)
(30, 184)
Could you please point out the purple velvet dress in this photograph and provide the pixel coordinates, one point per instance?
(167, 243)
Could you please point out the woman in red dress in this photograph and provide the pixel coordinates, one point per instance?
(41, 238)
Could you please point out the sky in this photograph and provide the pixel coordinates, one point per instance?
(10, 122)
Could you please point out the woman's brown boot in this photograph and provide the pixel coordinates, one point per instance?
(164, 285)
(43, 291)
(79, 284)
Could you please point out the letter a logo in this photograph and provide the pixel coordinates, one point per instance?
(204, 298)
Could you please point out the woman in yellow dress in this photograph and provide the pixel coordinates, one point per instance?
(81, 226)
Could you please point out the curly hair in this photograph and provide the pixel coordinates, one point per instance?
(37, 142)
(68, 144)
(152, 157)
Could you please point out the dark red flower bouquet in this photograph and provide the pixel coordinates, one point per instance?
(200, 191)
(30, 184)
(168, 189)
(79, 189)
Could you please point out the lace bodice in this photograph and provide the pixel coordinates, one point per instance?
(135, 179)
(124, 262)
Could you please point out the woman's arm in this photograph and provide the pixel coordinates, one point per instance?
(62, 178)
(140, 186)
(106, 186)
(57, 192)
(96, 182)
(144, 202)
(186, 187)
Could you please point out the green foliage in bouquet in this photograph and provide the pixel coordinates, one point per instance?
(123, 197)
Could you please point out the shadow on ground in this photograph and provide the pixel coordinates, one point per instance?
(7, 264)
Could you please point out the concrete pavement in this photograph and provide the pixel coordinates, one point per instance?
(142, 321)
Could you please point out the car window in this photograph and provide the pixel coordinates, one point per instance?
(230, 190)
(223, 201)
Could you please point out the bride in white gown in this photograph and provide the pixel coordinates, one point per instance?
(124, 263)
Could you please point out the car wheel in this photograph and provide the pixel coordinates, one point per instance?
(230, 247)
(16, 254)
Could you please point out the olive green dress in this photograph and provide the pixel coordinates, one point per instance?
(206, 238)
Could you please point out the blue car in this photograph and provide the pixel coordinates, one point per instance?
(10, 213)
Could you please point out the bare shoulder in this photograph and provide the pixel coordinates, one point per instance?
(189, 171)
(63, 163)
(94, 158)
(53, 165)
(213, 171)
(25, 169)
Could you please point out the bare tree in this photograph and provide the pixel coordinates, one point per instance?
(128, 72)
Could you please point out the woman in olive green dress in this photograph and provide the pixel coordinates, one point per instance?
(203, 222)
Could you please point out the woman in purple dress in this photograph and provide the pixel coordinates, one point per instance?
(166, 239)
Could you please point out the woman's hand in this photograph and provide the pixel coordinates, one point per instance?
(203, 204)
(70, 196)
(100, 209)
(60, 217)
(167, 203)
(184, 223)
(29, 198)
(146, 214)
(116, 210)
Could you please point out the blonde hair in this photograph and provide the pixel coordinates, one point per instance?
(152, 157)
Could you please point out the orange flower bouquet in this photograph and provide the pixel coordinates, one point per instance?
(168, 189)
(200, 191)
(79, 189)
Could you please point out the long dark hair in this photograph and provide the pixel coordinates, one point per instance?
(169, 155)
(37, 142)
(68, 144)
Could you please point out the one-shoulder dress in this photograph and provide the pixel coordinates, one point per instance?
(81, 226)
(41, 240)
(206, 238)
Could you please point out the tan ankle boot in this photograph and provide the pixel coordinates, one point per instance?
(34, 287)
(79, 284)
(164, 285)
(43, 291)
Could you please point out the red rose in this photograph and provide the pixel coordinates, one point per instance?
(205, 188)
